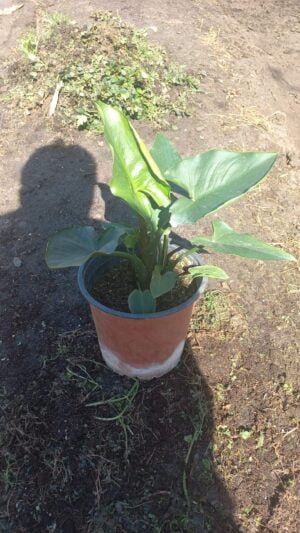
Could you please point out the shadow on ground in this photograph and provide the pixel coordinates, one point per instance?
(57, 187)
(141, 460)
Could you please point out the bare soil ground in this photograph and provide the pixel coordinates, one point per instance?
(213, 445)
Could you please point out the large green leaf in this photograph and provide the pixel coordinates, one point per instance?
(110, 238)
(208, 271)
(228, 241)
(73, 246)
(156, 171)
(165, 153)
(136, 177)
(161, 283)
(213, 179)
(141, 302)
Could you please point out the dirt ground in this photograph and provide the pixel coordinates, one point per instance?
(213, 445)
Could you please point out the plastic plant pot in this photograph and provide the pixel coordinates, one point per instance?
(146, 345)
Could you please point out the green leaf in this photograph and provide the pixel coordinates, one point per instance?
(110, 239)
(161, 283)
(213, 179)
(260, 441)
(208, 271)
(141, 302)
(131, 239)
(73, 246)
(164, 153)
(245, 435)
(150, 161)
(136, 177)
(81, 120)
(226, 240)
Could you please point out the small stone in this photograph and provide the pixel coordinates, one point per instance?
(17, 261)
(174, 128)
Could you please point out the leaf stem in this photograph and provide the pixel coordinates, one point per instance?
(165, 252)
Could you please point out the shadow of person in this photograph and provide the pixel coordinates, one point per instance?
(57, 187)
(115, 209)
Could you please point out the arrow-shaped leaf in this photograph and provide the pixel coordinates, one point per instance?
(165, 153)
(73, 246)
(226, 240)
(141, 302)
(213, 179)
(161, 283)
(207, 271)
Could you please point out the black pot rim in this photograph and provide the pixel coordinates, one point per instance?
(201, 282)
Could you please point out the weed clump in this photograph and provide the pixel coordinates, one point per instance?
(108, 60)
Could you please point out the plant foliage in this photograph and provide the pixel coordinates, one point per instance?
(143, 179)
(107, 59)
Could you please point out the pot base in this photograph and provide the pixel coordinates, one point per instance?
(149, 372)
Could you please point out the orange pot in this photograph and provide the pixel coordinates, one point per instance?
(138, 345)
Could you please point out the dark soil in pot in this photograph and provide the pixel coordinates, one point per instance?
(112, 288)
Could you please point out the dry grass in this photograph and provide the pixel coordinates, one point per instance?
(217, 49)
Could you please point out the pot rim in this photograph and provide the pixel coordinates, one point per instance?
(201, 282)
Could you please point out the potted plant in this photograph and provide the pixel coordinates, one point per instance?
(140, 289)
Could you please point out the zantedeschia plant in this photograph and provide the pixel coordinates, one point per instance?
(144, 180)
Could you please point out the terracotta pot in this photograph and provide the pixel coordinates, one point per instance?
(138, 345)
